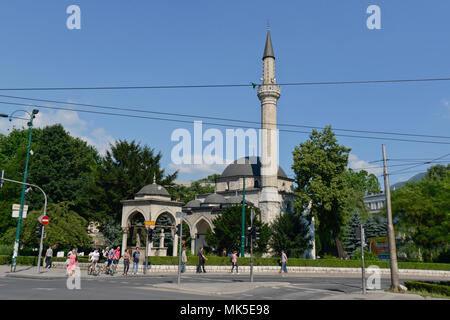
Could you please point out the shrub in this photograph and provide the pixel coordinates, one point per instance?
(429, 286)
(369, 256)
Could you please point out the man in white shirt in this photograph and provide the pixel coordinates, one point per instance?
(94, 256)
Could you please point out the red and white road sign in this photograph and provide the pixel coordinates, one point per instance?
(45, 220)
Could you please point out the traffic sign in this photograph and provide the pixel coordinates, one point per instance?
(16, 211)
(44, 220)
(149, 223)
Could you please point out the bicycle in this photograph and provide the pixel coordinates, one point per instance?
(110, 269)
(95, 271)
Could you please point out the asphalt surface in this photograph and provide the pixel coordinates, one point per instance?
(162, 287)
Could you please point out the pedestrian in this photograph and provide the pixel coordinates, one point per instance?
(234, 262)
(284, 261)
(136, 256)
(73, 261)
(126, 262)
(48, 257)
(201, 261)
(183, 260)
(116, 258)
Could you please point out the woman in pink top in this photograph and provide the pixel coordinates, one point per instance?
(234, 262)
(73, 261)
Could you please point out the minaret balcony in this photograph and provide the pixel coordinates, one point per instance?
(269, 90)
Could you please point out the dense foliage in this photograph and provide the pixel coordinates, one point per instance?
(421, 213)
(228, 227)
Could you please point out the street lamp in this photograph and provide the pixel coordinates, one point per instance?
(22, 197)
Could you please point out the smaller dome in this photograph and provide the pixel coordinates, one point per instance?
(193, 204)
(235, 199)
(153, 190)
(215, 198)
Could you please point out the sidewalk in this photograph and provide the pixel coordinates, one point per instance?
(378, 295)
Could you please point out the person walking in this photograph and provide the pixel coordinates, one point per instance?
(183, 260)
(116, 258)
(105, 257)
(73, 261)
(234, 262)
(201, 261)
(284, 261)
(48, 257)
(126, 262)
(136, 256)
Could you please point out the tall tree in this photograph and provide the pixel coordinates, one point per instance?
(291, 234)
(320, 175)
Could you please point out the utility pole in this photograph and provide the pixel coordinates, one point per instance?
(22, 197)
(391, 235)
(243, 222)
(251, 245)
(363, 244)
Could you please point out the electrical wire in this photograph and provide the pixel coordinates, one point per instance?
(228, 85)
(217, 118)
(214, 124)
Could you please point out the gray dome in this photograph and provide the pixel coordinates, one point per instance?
(248, 166)
(235, 199)
(153, 190)
(215, 198)
(193, 204)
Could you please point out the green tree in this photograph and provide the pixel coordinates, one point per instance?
(66, 230)
(228, 227)
(421, 212)
(291, 234)
(186, 194)
(63, 166)
(351, 243)
(320, 174)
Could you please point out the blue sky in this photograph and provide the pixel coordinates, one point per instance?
(208, 42)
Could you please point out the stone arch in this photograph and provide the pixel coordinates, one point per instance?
(200, 228)
(131, 212)
(135, 230)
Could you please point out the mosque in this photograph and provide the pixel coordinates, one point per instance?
(267, 186)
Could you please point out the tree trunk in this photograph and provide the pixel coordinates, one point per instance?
(341, 252)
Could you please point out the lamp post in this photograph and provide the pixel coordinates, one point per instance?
(243, 221)
(22, 197)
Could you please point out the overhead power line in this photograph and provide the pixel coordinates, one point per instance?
(214, 124)
(218, 118)
(230, 85)
(401, 165)
(421, 164)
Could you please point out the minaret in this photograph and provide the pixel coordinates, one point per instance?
(269, 93)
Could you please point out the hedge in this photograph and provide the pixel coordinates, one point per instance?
(225, 261)
(432, 287)
(221, 261)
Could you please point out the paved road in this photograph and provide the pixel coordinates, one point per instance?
(294, 287)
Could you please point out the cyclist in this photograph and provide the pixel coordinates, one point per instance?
(94, 256)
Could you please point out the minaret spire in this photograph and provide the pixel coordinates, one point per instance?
(268, 93)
